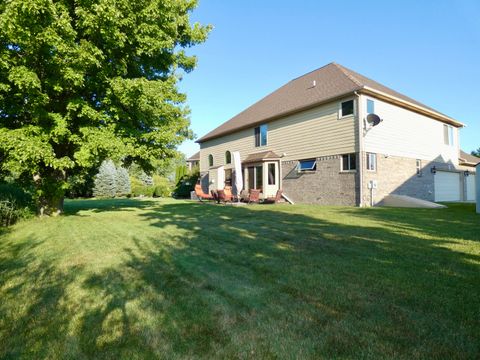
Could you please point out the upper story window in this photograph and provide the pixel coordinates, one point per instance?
(210, 160)
(370, 107)
(346, 108)
(371, 161)
(261, 135)
(228, 157)
(349, 162)
(307, 165)
(448, 134)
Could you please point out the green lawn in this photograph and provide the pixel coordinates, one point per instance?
(173, 279)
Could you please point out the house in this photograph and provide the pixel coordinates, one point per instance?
(314, 138)
(193, 161)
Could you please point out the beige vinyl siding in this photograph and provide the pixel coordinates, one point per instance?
(408, 134)
(310, 133)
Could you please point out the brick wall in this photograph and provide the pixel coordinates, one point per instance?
(325, 186)
(398, 175)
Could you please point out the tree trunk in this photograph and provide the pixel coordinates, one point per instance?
(51, 193)
(50, 206)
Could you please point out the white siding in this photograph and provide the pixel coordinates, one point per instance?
(310, 133)
(470, 183)
(408, 134)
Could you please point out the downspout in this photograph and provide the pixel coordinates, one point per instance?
(360, 149)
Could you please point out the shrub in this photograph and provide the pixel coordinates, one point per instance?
(15, 203)
(186, 185)
(106, 180)
(138, 188)
(8, 213)
(14, 193)
(163, 187)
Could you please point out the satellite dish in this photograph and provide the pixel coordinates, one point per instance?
(373, 120)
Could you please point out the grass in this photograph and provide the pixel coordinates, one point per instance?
(170, 279)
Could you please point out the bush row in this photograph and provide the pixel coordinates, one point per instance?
(161, 187)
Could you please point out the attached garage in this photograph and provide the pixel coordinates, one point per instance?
(447, 186)
(470, 183)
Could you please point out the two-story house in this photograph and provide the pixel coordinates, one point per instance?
(312, 139)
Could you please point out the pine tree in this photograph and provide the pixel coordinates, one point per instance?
(146, 179)
(105, 181)
(123, 186)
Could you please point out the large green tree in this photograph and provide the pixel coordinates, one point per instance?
(476, 152)
(86, 80)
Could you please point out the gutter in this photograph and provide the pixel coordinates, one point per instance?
(411, 106)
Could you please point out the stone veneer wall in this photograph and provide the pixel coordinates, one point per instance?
(325, 186)
(398, 175)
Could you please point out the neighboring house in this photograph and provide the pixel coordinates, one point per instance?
(193, 161)
(311, 138)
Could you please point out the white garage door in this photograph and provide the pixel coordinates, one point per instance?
(447, 186)
(471, 188)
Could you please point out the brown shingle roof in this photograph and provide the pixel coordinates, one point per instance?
(471, 159)
(194, 157)
(331, 81)
(261, 156)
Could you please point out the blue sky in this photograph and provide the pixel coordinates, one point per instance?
(428, 50)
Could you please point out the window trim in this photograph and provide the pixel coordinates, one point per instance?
(313, 168)
(448, 135)
(349, 165)
(210, 160)
(274, 174)
(259, 127)
(227, 161)
(340, 110)
(368, 162)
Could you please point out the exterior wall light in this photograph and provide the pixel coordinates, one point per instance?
(433, 170)
(466, 173)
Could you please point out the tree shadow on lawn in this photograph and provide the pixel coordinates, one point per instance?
(260, 282)
(74, 207)
(33, 317)
(271, 283)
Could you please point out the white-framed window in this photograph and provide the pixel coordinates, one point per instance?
(349, 162)
(371, 161)
(228, 157)
(307, 165)
(346, 108)
(419, 167)
(448, 135)
(210, 160)
(370, 106)
(261, 135)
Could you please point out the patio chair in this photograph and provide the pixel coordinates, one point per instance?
(200, 194)
(223, 197)
(274, 200)
(253, 196)
(228, 193)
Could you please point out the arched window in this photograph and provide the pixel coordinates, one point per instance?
(228, 157)
(210, 160)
